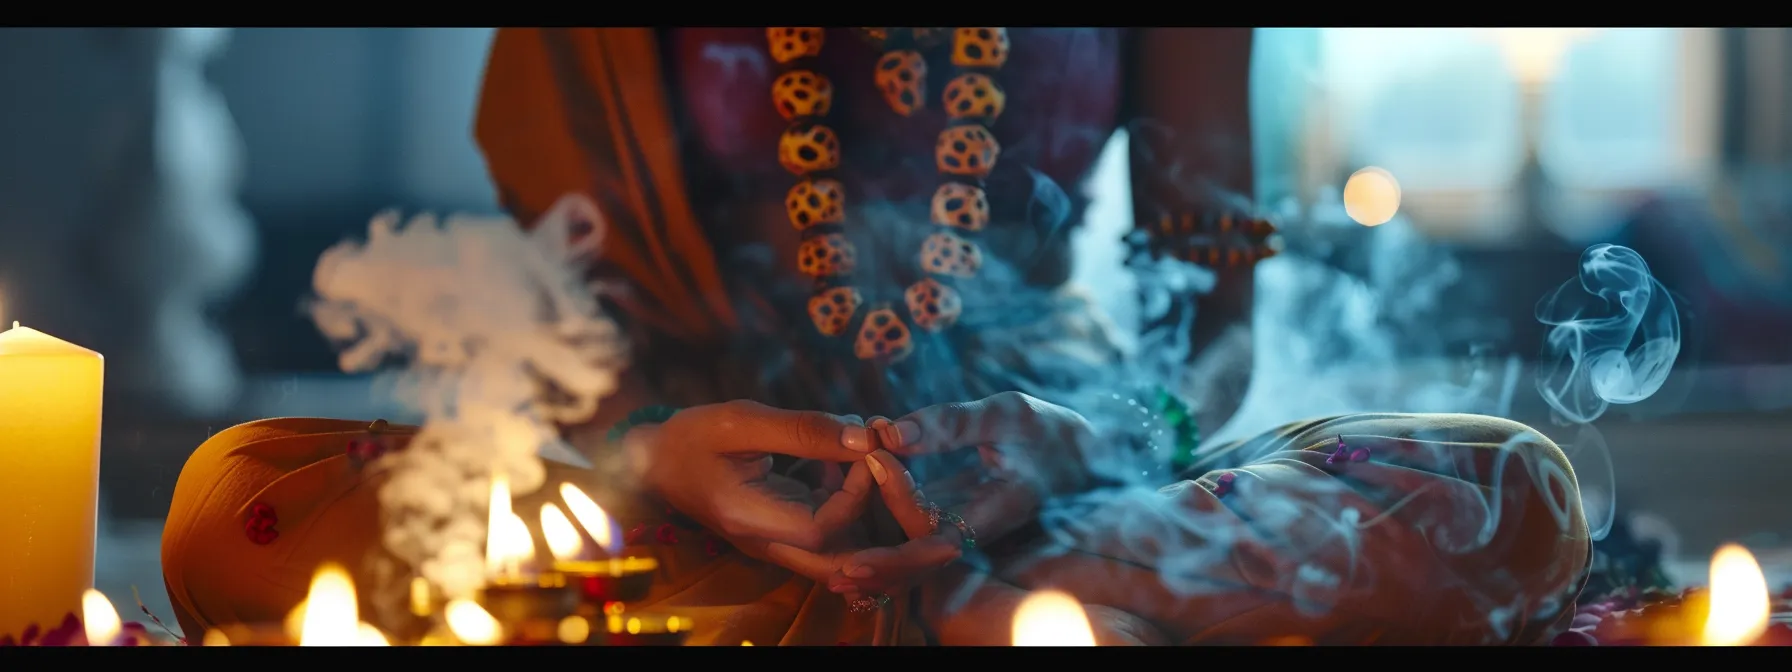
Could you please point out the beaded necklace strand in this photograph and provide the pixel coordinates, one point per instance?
(964, 154)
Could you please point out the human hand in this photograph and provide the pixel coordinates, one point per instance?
(1030, 449)
(856, 573)
(713, 463)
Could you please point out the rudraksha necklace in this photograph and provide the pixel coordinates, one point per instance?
(965, 154)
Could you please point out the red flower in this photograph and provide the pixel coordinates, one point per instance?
(1223, 484)
(260, 525)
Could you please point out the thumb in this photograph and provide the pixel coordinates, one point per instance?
(751, 427)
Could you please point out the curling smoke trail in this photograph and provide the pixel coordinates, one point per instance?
(504, 341)
(1613, 338)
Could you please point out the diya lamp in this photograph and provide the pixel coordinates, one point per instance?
(330, 614)
(97, 625)
(1052, 618)
(623, 628)
(599, 582)
(528, 602)
(1735, 609)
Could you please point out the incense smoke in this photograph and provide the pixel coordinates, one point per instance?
(502, 340)
(1614, 335)
(1386, 325)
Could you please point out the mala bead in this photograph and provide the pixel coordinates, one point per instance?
(883, 336)
(802, 93)
(832, 309)
(972, 95)
(823, 256)
(966, 151)
(902, 77)
(980, 47)
(789, 44)
(809, 148)
(815, 202)
(960, 205)
(945, 253)
(933, 306)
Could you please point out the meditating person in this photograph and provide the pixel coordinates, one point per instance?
(900, 306)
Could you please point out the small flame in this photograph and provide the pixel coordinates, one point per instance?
(331, 616)
(420, 601)
(367, 635)
(1052, 618)
(563, 539)
(573, 630)
(508, 544)
(215, 637)
(1740, 606)
(100, 619)
(590, 516)
(746, 642)
(471, 624)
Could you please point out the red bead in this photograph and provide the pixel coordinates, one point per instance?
(666, 534)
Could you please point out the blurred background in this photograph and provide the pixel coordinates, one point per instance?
(166, 192)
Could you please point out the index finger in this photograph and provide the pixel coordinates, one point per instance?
(900, 495)
(750, 427)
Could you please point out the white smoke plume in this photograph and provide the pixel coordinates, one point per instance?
(501, 340)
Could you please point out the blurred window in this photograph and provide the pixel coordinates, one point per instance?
(1626, 110)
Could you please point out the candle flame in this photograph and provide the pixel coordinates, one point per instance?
(471, 624)
(420, 601)
(563, 539)
(573, 630)
(1052, 618)
(508, 544)
(99, 618)
(1740, 606)
(746, 642)
(367, 635)
(331, 616)
(215, 637)
(590, 516)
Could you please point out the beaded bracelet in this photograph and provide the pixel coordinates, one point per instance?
(651, 415)
(1183, 425)
(1214, 239)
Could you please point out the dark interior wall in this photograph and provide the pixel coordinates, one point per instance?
(338, 124)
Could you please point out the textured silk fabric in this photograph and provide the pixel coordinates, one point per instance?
(326, 509)
(1468, 530)
(1433, 562)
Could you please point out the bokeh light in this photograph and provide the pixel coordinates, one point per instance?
(1371, 196)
